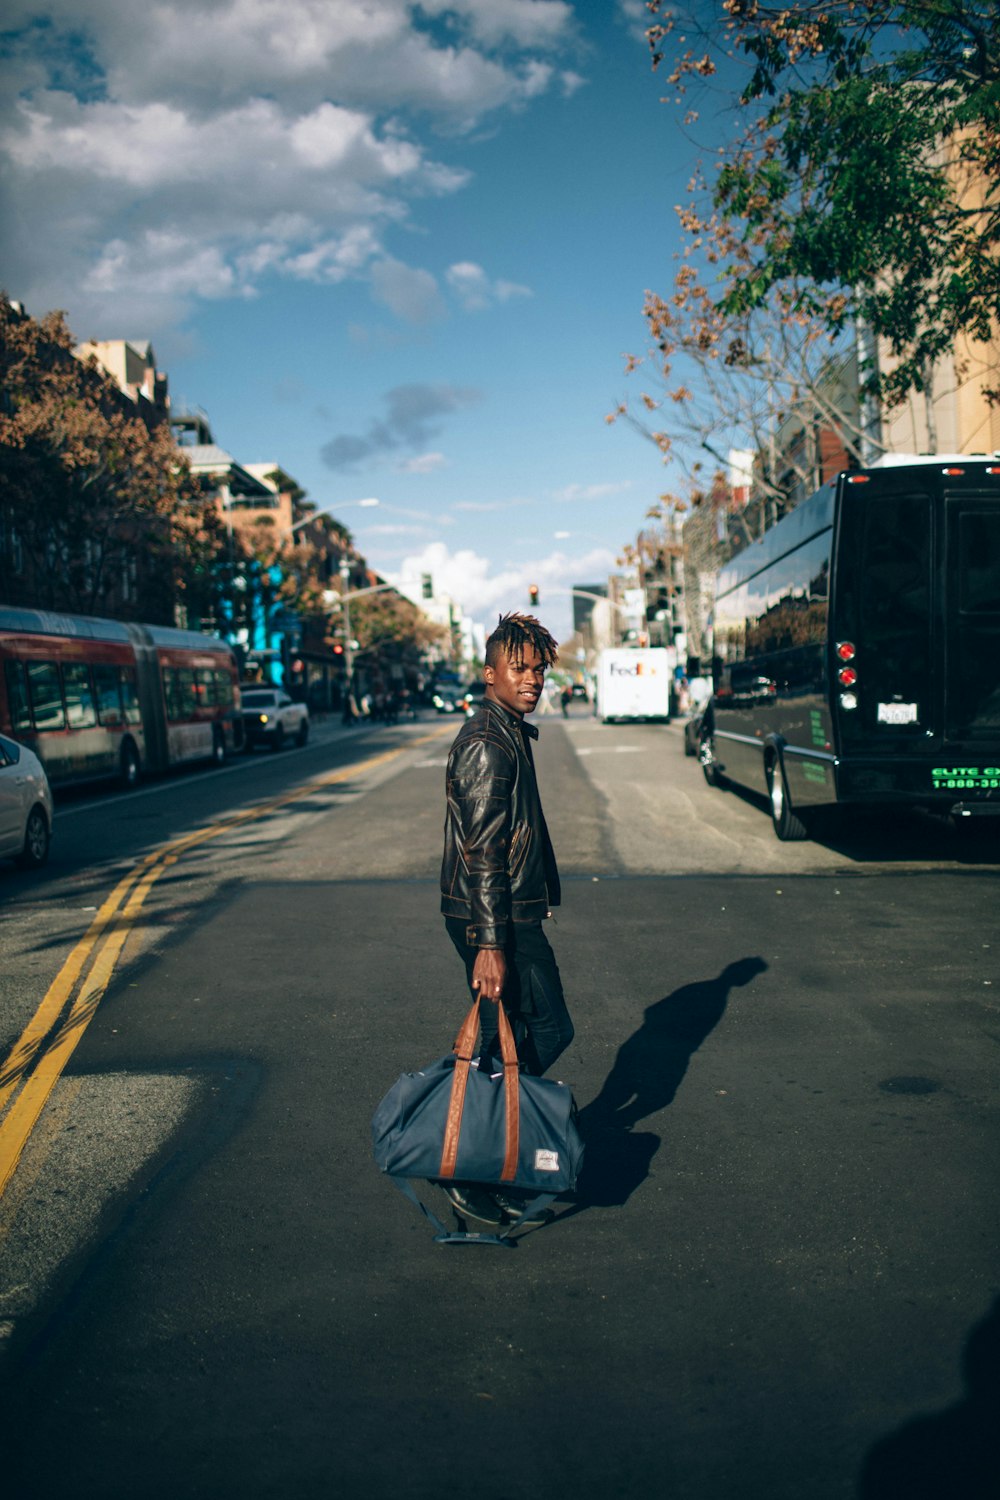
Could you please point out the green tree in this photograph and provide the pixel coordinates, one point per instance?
(390, 627)
(863, 186)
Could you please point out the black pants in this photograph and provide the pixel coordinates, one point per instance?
(532, 996)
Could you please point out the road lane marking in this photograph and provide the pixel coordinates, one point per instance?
(36, 1068)
(26, 1047)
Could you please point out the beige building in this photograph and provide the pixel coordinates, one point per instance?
(132, 366)
(957, 418)
(955, 415)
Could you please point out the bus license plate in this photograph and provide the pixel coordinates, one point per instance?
(897, 713)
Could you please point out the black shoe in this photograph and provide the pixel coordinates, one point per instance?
(474, 1203)
(514, 1205)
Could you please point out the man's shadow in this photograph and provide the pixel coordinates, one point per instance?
(645, 1077)
(952, 1454)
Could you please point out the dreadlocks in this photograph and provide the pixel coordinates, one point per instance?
(513, 633)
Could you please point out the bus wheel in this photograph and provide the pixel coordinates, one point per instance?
(218, 747)
(128, 766)
(787, 823)
(36, 841)
(709, 762)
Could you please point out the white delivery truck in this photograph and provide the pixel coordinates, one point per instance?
(635, 683)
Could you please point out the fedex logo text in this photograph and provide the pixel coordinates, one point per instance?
(640, 669)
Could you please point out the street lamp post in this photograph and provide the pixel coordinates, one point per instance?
(345, 595)
(289, 531)
(366, 504)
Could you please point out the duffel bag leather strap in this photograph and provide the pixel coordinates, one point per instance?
(511, 1085)
(464, 1043)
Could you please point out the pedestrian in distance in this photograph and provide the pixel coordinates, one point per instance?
(499, 879)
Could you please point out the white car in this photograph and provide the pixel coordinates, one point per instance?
(26, 808)
(271, 717)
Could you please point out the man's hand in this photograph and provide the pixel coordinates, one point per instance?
(489, 974)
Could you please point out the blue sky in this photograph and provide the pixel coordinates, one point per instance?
(399, 250)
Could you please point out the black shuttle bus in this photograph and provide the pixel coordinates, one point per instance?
(857, 648)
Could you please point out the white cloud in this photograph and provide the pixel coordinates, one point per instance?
(389, 528)
(476, 291)
(573, 492)
(267, 136)
(170, 265)
(485, 507)
(423, 463)
(529, 23)
(483, 592)
(571, 82)
(358, 52)
(637, 18)
(410, 293)
(466, 576)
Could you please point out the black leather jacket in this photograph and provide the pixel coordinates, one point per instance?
(498, 864)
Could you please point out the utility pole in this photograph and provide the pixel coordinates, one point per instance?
(345, 582)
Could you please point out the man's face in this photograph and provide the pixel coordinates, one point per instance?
(516, 683)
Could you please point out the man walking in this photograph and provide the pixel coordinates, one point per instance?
(498, 878)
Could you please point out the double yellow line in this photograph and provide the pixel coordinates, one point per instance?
(38, 1058)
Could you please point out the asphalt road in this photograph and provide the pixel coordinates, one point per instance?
(779, 1278)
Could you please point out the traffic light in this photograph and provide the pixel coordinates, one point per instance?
(533, 594)
(427, 585)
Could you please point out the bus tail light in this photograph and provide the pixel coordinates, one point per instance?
(859, 478)
(847, 677)
(846, 650)
(993, 469)
(953, 472)
(848, 700)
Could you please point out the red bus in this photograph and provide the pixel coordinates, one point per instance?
(99, 698)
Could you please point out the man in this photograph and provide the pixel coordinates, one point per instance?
(498, 878)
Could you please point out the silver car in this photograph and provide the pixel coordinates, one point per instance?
(26, 808)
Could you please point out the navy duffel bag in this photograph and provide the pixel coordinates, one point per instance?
(453, 1122)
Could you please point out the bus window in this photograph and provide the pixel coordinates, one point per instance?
(109, 707)
(130, 696)
(81, 710)
(223, 689)
(979, 562)
(973, 645)
(896, 600)
(206, 688)
(885, 600)
(171, 693)
(17, 696)
(188, 692)
(46, 695)
(181, 693)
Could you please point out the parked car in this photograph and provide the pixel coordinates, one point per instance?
(446, 695)
(271, 717)
(26, 808)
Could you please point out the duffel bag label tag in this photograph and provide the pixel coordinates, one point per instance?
(546, 1161)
